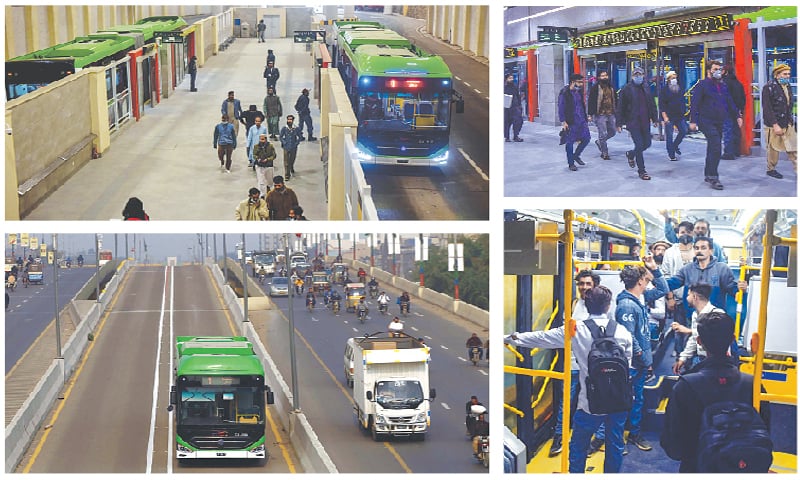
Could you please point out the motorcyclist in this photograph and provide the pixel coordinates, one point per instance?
(475, 341)
(326, 297)
(470, 421)
(405, 298)
(336, 297)
(361, 308)
(395, 327)
(383, 302)
(373, 286)
(69, 262)
(481, 429)
(362, 275)
(80, 260)
(298, 285)
(262, 273)
(311, 299)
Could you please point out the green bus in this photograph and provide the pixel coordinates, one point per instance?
(401, 95)
(219, 398)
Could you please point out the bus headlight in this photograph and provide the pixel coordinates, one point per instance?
(181, 449)
(364, 156)
(441, 159)
(259, 450)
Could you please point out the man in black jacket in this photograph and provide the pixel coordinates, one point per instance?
(780, 131)
(673, 110)
(513, 113)
(636, 110)
(732, 134)
(722, 381)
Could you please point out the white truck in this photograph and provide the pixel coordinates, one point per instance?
(391, 386)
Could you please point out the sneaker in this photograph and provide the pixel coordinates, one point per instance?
(673, 159)
(508, 139)
(678, 151)
(312, 139)
(517, 139)
(728, 156)
(579, 161)
(573, 168)
(640, 442)
(595, 446)
(555, 449)
(715, 184)
(605, 156)
(774, 174)
(227, 171)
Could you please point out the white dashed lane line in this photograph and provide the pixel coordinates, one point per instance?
(474, 165)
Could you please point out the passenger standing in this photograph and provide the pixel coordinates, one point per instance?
(249, 118)
(586, 422)
(264, 157)
(253, 207)
(732, 134)
(261, 29)
(290, 139)
(271, 74)
(301, 107)
(253, 135)
(673, 111)
(280, 200)
(632, 314)
(780, 130)
(233, 109)
(693, 352)
(193, 73)
(636, 110)
(274, 111)
(270, 56)
(513, 113)
(711, 105)
(572, 114)
(602, 105)
(224, 142)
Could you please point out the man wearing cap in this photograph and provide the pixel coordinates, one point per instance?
(264, 158)
(711, 105)
(572, 114)
(673, 110)
(602, 103)
(280, 200)
(636, 110)
(779, 128)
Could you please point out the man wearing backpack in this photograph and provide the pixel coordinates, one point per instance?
(737, 440)
(632, 314)
(603, 352)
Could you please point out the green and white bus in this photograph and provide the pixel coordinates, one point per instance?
(403, 97)
(219, 398)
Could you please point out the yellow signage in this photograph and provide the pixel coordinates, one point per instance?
(12, 238)
(34, 243)
(23, 239)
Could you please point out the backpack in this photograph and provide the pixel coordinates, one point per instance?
(608, 384)
(733, 437)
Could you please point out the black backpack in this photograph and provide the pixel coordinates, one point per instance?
(608, 384)
(733, 437)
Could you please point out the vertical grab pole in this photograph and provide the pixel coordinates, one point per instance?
(569, 331)
(766, 271)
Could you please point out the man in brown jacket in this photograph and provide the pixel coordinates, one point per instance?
(280, 200)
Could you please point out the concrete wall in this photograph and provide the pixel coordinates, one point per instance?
(465, 26)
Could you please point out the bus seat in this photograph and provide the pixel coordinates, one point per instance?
(408, 111)
(425, 108)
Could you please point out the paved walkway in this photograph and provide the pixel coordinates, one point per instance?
(537, 167)
(167, 160)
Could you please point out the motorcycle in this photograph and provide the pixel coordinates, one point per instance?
(483, 450)
(362, 315)
(383, 308)
(310, 305)
(474, 355)
(373, 291)
(404, 308)
(336, 306)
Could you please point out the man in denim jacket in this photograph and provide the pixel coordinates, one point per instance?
(631, 312)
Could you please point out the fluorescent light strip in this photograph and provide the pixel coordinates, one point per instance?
(540, 14)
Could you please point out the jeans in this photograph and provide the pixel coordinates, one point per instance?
(570, 155)
(713, 133)
(288, 162)
(606, 128)
(574, 388)
(635, 415)
(193, 76)
(512, 118)
(673, 145)
(585, 425)
(641, 142)
(306, 120)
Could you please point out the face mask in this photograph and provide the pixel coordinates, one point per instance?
(638, 79)
(685, 239)
(717, 75)
(673, 81)
(658, 258)
(784, 81)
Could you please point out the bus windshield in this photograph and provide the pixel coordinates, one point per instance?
(402, 111)
(221, 405)
(398, 394)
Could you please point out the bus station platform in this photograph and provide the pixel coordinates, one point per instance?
(167, 158)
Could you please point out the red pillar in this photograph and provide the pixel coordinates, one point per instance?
(533, 84)
(743, 65)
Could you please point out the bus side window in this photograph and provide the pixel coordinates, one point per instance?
(408, 111)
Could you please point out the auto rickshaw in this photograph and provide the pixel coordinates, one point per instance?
(320, 282)
(339, 273)
(354, 292)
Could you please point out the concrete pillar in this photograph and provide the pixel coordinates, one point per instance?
(87, 22)
(99, 108)
(51, 25)
(336, 170)
(324, 100)
(71, 24)
(482, 32)
(31, 37)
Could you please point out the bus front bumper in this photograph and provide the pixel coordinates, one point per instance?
(184, 453)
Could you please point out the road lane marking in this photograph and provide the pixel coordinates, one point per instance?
(483, 372)
(477, 91)
(171, 413)
(74, 380)
(457, 77)
(415, 329)
(467, 84)
(462, 359)
(419, 314)
(445, 406)
(273, 426)
(397, 457)
(474, 165)
(444, 347)
(156, 379)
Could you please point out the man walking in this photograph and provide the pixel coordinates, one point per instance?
(224, 142)
(513, 112)
(193, 73)
(233, 109)
(253, 137)
(264, 159)
(574, 124)
(253, 207)
(780, 131)
(731, 133)
(271, 74)
(711, 105)
(249, 118)
(301, 106)
(280, 200)
(636, 110)
(290, 139)
(602, 104)
(673, 110)
(261, 29)
(274, 111)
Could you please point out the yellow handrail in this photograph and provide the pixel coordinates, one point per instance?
(517, 412)
(569, 331)
(766, 261)
(535, 403)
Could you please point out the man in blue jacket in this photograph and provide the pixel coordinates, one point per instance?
(712, 104)
(632, 314)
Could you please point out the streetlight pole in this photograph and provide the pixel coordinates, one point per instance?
(55, 289)
(394, 254)
(244, 279)
(339, 238)
(293, 360)
(224, 259)
(97, 266)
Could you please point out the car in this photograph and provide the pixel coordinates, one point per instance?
(279, 287)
